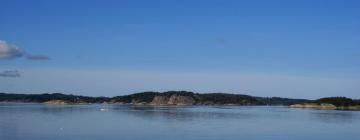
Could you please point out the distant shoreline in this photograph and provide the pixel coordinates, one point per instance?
(184, 98)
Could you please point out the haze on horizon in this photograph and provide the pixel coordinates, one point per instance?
(298, 49)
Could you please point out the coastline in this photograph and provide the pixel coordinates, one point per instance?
(184, 98)
(325, 106)
(295, 106)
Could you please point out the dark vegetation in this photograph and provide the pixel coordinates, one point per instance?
(209, 98)
(39, 98)
(147, 97)
(281, 101)
(338, 101)
(357, 102)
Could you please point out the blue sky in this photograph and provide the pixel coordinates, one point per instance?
(299, 48)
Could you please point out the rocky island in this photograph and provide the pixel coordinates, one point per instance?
(330, 103)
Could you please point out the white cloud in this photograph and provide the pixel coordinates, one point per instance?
(8, 51)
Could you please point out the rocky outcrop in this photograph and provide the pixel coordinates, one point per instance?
(63, 102)
(57, 102)
(137, 102)
(160, 100)
(181, 100)
(314, 106)
(173, 100)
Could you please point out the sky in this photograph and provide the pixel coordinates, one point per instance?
(288, 48)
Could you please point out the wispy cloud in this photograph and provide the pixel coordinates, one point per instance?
(221, 41)
(37, 57)
(10, 51)
(10, 73)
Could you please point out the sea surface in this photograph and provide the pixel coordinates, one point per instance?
(122, 122)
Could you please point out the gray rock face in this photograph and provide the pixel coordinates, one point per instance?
(181, 100)
(160, 100)
(173, 100)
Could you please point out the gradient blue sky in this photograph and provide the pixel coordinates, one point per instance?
(288, 48)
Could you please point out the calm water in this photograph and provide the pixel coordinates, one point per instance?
(98, 122)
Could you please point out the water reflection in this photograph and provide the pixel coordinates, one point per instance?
(39, 121)
(332, 116)
(185, 113)
(8, 129)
